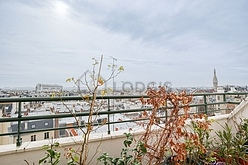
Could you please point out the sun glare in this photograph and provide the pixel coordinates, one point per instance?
(61, 8)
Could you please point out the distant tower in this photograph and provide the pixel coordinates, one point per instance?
(215, 81)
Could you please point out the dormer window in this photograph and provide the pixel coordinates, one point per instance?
(46, 135)
(33, 138)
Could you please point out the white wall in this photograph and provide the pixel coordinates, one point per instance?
(32, 152)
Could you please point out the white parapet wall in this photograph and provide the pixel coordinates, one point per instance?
(99, 143)
(239, 113)
(32, 152)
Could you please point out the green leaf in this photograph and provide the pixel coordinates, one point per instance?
(56, 144)
(121, 68)
(142, 147)
(103, 92)
(45, 147)
(43, 159)
(51, 152)
(68, 80)
(56, 162)
(76, 158)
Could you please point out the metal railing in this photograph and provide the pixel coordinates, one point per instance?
(207, 103)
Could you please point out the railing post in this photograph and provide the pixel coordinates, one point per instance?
(205, 104)
(19, 139)
(108, 117)
(224, 97)
(166, 114)
(165, 111)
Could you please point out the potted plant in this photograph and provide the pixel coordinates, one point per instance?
(230, 147)
(163, 134)
(243, 133)
(198, 141)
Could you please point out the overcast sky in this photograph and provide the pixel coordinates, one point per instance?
(179, 41)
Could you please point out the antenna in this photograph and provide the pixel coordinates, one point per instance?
(113, 70)
(79, 79)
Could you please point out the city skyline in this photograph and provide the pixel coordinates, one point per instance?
(179, 42)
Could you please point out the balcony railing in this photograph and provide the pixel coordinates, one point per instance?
(208, 103)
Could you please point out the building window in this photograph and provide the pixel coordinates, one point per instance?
(33, 138)
(46, 135)
(33, 126)
(218, 98)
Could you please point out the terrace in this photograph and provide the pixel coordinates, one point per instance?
(17, 145)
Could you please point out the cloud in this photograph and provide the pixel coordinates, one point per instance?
(180, 41)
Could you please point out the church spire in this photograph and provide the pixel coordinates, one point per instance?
(215, 81)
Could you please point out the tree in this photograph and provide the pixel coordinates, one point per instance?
(80, 156)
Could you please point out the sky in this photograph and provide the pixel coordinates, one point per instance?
(176, 41)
